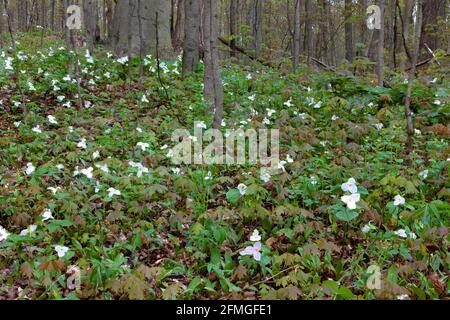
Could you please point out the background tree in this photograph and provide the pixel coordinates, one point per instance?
(191, 48)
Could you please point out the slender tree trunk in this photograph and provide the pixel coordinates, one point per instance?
(297, 36)
(90, 8)
(178, 30)
(233, 26)
(10, 28)
(218, 91)
(257, 12)
(67, 37)
(213, 82)
(208, 77)
(191, 50)
(406, 21)
(412, 76)
(348, 31)
(1, 24)
(142, 41)
(380, 69)
(309, 30)
(52, 21)
(129, 38)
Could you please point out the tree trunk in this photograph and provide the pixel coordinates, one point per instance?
(213, 82)
(191, 50)
(348, 31)
(433, 11)
(257, 12)
(412, 75)
(380, 69)
(233, 26)
(1, 24)
(119, 30)
(52, 21)
(406, 19)
(90, 9)
(178, 32)
(297, 36)
(309, 41)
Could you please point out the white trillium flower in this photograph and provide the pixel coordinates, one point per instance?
(96, 154)
(401, 233)
(350, 186)
(201, 125)
(368, 227)
(266, 121)
(253, 251)
(351, 200)
(17, 124)
(144, 99)
(61, 251)
(143, 145)
(3, 234)
(28, 231)
(265, 175)
(423, 174)
(113, 192)
(379, 126)
(53, 189)
(255, 237)
(289, 103)
(209, 176)
(334, 118)
(270, 112)
(102, 167)
(30, 168)
(399, 200)
(289, 159)
(176, 171)
(37, 129)
(82, 144)
(47, 215)
(318, 105)
(88, 172)
(252, 98)
(52, 119)
(403, 297)
(242, 189)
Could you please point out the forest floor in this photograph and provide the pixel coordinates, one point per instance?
(93, 189)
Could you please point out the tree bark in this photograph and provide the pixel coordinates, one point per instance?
(309, 41)
(233, 26)
(213, 81)
(412, 75)
(406, 21)
(178, 33)
(297, 36)
(119, 30)
(257, 12)
(348, 31)
(1, 24)
(380, 69)
(90, 9)
(191, 48)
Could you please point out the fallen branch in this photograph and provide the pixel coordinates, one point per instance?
(248, 54)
